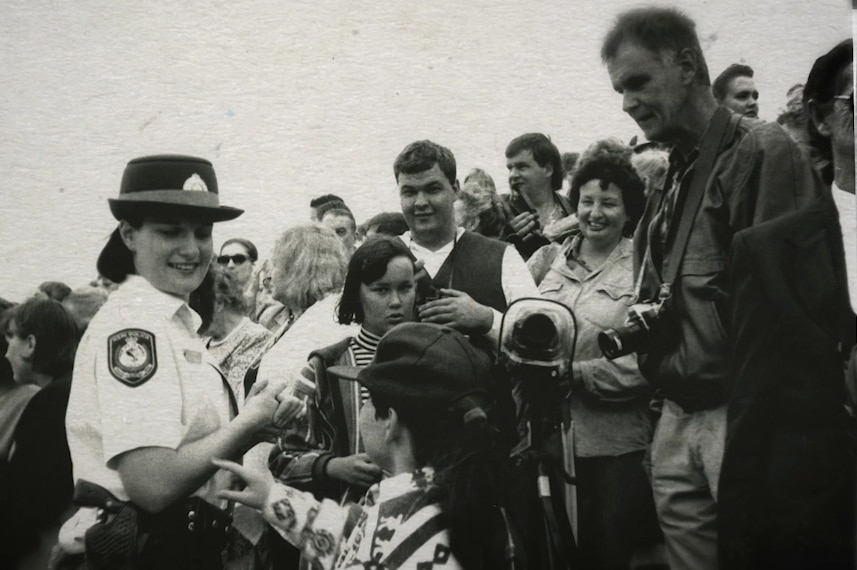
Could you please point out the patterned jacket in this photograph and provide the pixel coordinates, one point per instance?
(396, 526)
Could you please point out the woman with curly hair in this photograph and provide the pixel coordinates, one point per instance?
(591, 272)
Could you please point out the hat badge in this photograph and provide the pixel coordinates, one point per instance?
(195, 183)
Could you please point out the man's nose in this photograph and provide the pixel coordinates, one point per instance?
(629, 101)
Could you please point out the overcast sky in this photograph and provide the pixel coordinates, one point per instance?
(290, 100)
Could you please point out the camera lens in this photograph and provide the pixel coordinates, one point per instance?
(610, 343)
(624, 340)
(535, 336)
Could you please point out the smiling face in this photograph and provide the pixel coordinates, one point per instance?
(389, 300)
(601, 214)
(171, 254)
(427, 199)
(742, 97)
(526, 176)
(654, 89)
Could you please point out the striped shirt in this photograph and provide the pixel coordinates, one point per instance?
(363, 347)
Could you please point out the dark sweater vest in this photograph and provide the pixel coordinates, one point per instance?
(476, 265)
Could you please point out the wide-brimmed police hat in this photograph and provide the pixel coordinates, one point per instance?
(170, 184)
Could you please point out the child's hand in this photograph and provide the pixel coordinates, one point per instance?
(257, 484)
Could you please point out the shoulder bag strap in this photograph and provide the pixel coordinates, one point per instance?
(722, 129)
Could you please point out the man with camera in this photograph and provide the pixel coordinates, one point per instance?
(535, 175)
(726, 174)
(472, 279)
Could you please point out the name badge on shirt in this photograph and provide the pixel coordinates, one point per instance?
(192, 356)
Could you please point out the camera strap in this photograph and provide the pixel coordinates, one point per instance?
(720, 131)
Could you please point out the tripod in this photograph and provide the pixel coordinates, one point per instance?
(539, 456)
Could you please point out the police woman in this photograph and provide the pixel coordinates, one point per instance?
(148, 408)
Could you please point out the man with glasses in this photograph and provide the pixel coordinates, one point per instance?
(788, 481)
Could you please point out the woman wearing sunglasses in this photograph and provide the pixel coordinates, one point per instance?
(238, 257)
(148, 408)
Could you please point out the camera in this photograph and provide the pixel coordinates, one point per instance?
(635, 336)
(538, 334)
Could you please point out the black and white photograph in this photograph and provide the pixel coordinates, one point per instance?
(421, 286)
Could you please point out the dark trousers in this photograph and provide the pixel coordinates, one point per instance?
(616, 510)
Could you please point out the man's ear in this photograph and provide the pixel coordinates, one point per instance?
(548, 169)
(128, 234)
(688, 62)
(818, 118)
(456, 187)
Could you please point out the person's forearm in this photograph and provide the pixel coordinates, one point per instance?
(156, 477)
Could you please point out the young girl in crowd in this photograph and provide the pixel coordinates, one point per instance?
(327, 456)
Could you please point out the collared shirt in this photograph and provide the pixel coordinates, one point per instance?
(515, 278)
(678, 179)
(846, 205)
(183, 400)
(355, 536)
(609, 400)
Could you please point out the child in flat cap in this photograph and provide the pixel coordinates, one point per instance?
(426, 424)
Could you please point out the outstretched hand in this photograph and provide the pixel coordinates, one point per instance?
(257, 484)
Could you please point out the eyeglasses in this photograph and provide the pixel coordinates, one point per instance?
(849, 98)
(237, 259)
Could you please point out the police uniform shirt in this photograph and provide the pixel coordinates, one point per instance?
(142, 378)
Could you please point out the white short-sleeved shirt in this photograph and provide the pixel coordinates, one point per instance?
(142, 378)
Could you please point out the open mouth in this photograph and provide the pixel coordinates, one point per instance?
(184, 267)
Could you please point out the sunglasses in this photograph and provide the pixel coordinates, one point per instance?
(237, 259)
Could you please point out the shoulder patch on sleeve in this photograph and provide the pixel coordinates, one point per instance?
(131, 356)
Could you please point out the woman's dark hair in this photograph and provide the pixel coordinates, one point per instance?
(54, 330)
(387, 223)
(368, 263)
(248, 246)
(201, 300)
(116, 261)
(472, 477)
(610, 162)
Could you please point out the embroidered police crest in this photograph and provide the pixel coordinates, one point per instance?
(131, 356)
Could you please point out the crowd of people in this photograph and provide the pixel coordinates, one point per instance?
(365, 397)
